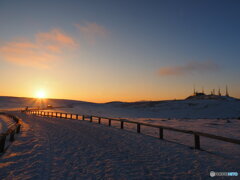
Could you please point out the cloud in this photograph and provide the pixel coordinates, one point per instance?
(92, 31)
(189, 68)
(47, 48)
(55, 37)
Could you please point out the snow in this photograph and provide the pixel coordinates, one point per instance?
(5, 123)
(190, 108)
(53, 148)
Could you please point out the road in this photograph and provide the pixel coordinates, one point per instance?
(53, 148)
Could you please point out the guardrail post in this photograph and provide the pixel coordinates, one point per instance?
(71, 116)
(138, 128)
(109, 122)
(99, 120)
(122, 124)
(91, 119)
(83, 118)
(77, 116)
(161, 133)
(2, 142)
(197, 141)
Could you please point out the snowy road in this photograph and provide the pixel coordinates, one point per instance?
(69, 149)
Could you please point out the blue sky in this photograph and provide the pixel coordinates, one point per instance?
(125, 50)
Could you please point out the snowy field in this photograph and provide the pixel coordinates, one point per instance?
(221, 127)
(52, 148)
(226, 107)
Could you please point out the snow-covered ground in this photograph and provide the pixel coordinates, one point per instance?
(194, 109)
(224, 107)
(52, 148)
(222, 127)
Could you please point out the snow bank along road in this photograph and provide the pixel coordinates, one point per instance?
(5, 123)
(52, 148)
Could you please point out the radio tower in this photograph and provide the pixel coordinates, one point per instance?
(227, 91)
(194, 90)
(219, 92)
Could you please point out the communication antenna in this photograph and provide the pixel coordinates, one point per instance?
(194, 90)
(219, 92)
(227, 91)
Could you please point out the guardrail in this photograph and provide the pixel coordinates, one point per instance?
(161, 128)
(12, 130)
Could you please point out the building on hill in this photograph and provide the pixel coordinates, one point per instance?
(212, 95)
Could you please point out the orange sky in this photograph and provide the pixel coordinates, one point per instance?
(95, 52)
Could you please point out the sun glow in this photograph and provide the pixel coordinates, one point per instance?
(40, 94)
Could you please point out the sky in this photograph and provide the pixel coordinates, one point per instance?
(103, 51)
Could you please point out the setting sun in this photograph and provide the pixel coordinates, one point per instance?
(41, 94)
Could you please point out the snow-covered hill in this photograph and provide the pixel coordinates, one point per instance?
(53, 148)
(224, 107)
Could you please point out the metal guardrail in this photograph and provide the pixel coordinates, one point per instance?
(161, 128)
(12, 130)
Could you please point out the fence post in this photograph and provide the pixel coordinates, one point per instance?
(109, 122)
(197, 141)
(138, 128)
(83, 118)
(91, 119)
(161, 133)
(122, 124)
(18, 128)
(77, 116)
(71, 116)
(12, 136)
(99, 120)
(2, 142)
